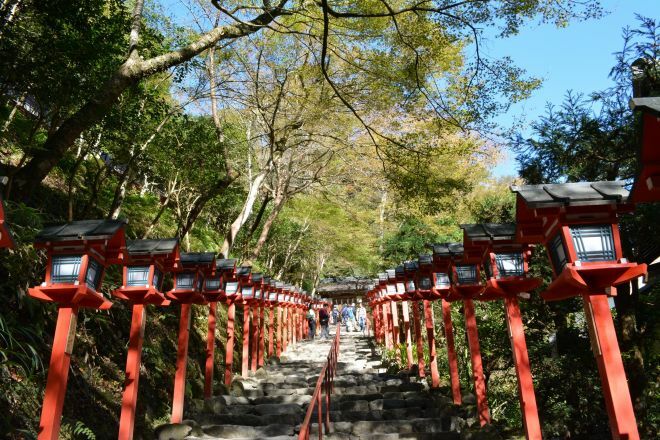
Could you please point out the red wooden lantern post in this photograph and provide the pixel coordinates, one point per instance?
(647, 183)
(505, 264)
(263, 325)
(188, 281)
(578, 224)
(272, 302)
(244, 275)
(257, 281)
(385, 309)
(410, 272)
(466, 285)
(424, 286)
(143, 274)
(394, 315)
(6, 238)
(284, 305)
(231, 292)
(372, 297)
(280, 314)
(295, 311)
(212, 290)
(441, 289)
(78, 254)
(400, 278)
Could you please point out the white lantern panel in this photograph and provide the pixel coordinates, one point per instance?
(137, 276)
(593, 242)
(510, 264)
(231, 287)
(65, 268)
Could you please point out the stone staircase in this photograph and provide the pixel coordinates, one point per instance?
(367, 402)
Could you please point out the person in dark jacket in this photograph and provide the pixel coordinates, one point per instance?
(324, 320)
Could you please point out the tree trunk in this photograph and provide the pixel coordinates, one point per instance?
(279, 203)
(58, 143)
(245, 213)
(291, 250)
(260, 214)
(200, 203)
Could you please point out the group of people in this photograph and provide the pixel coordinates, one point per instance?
(355, 319)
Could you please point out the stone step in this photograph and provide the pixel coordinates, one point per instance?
(408, 426)
(367, 403)
(394, 436)
(242, 431)
(376, 415)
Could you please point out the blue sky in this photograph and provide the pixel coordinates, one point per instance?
(577, 58)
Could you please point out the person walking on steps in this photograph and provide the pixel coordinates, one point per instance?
(344, 316)
(335, 315)
(350, 318)
(362, 318)
(324, 320)
(311, 321)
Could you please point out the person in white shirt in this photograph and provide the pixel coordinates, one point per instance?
(362, 318)
(311, 321)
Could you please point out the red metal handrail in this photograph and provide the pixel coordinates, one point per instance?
(326, 381)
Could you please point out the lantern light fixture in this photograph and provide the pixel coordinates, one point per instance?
(144, 270)
(646, 187)
(78, 253)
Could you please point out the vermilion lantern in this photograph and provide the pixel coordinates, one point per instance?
(270, 296)
(212, 290)
(424, 278)
(145, 268)
(647, 182)
(465, 285)
(505, 263)
(78, 254)
(187, 290)
(143, 274)
(226, 272)
(403, 296)
(410, 268)
(189, 277)
(578, 223)
(257, 320)
(244, 276)
(424, 284)
(279, 289)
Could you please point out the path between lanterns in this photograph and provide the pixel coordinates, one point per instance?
(367, 403)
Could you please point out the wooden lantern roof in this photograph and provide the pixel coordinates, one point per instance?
(106, 237)
(165, 250)
(647, 183)
(410, 267)
(538, 207)
(489, 232)
(480, 238)
(244, 271)
(446, 253)
(198, 260)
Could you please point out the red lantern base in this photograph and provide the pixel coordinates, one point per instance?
(141, 295)
(594, 278)
(67, 295)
